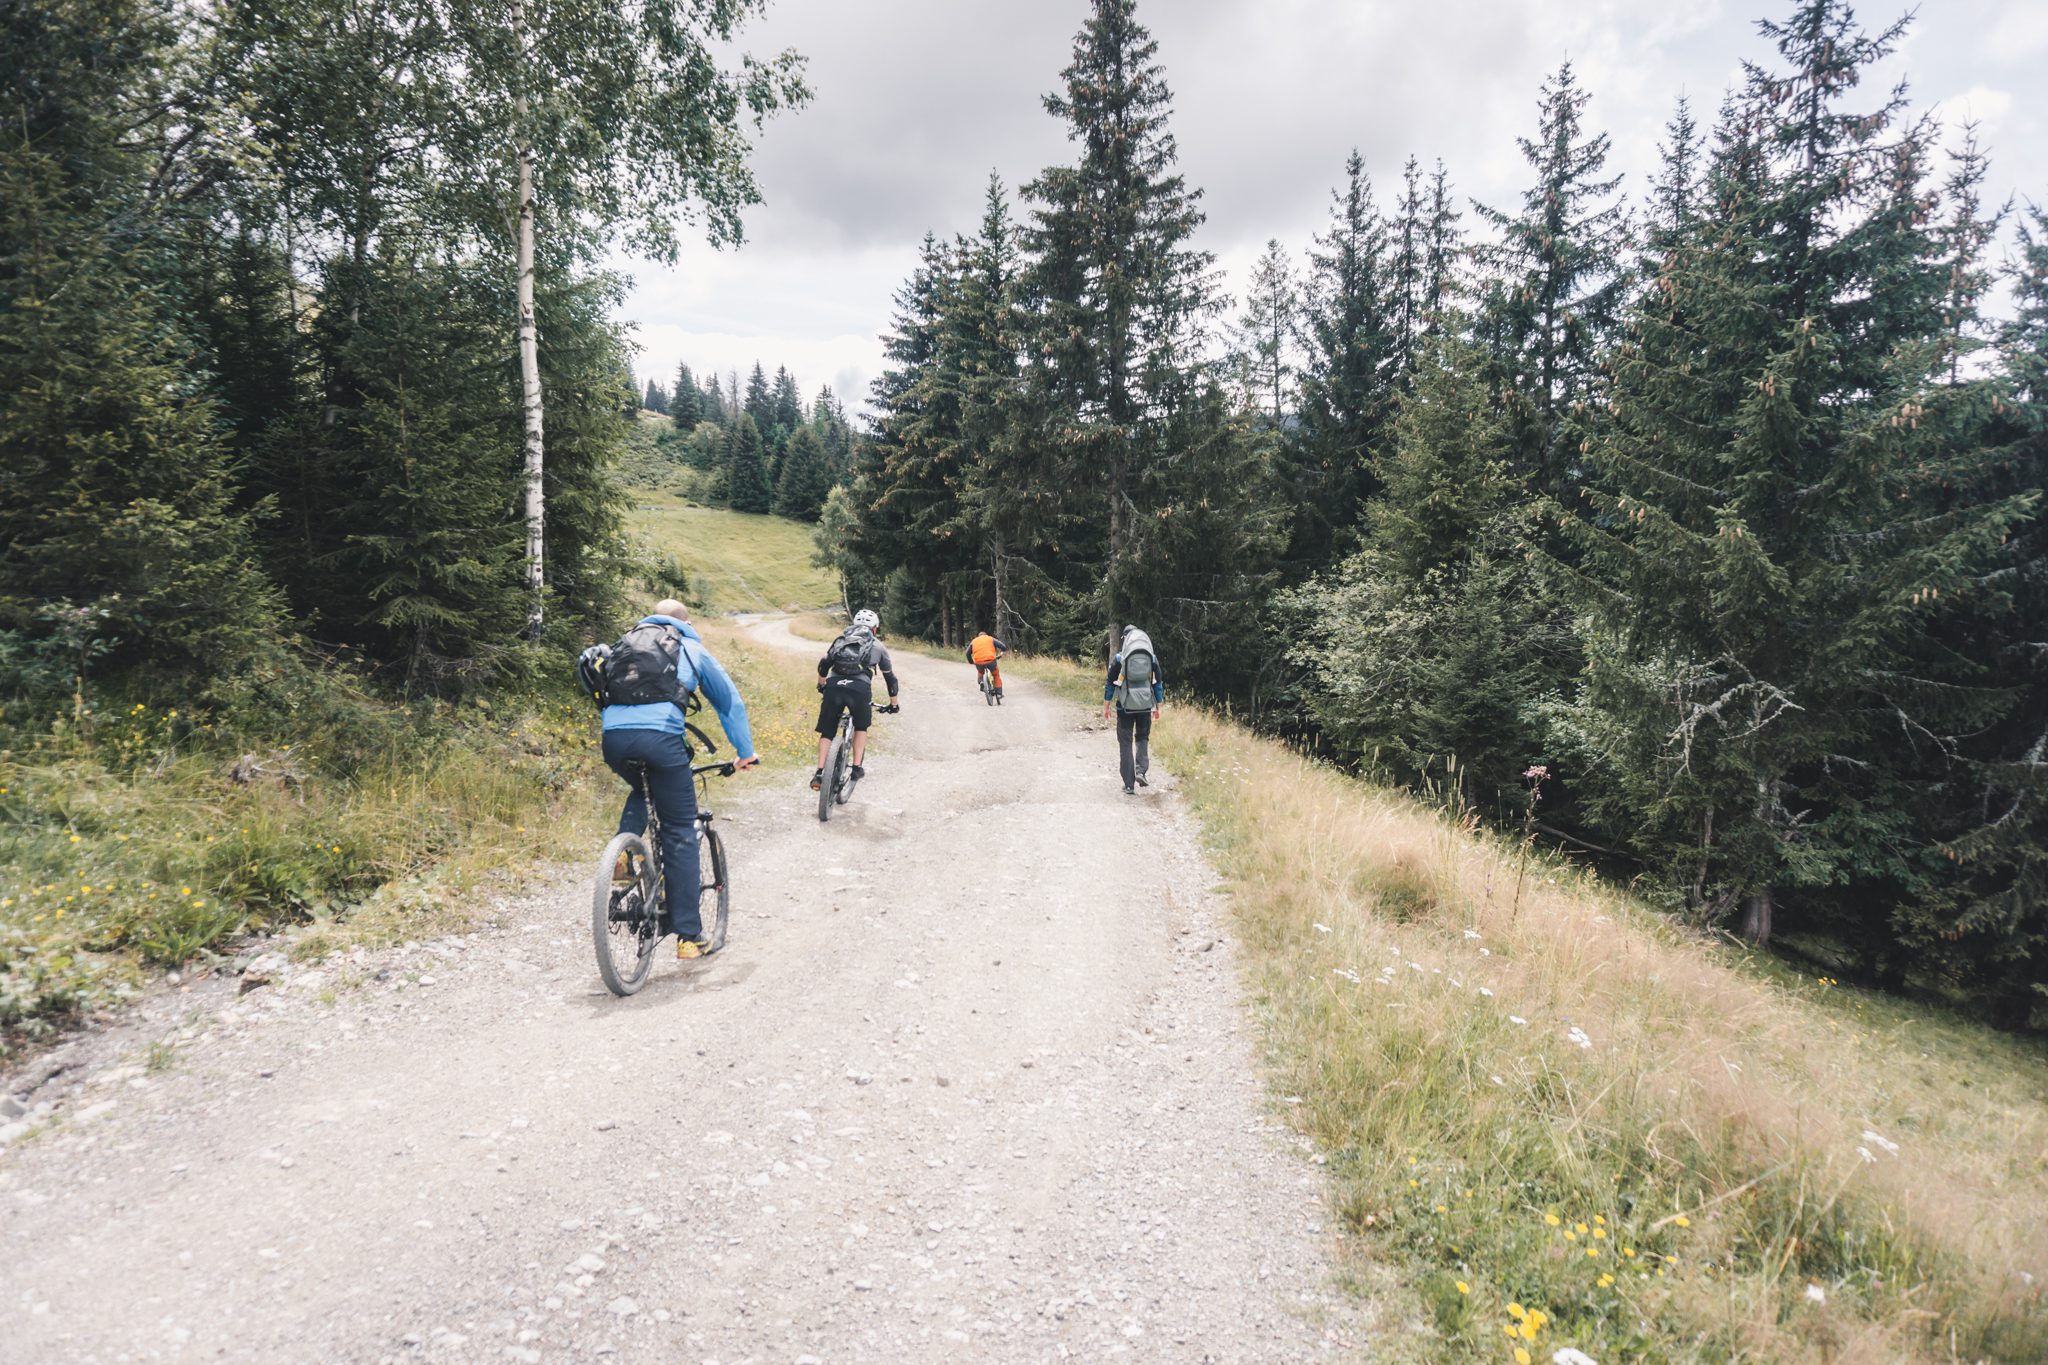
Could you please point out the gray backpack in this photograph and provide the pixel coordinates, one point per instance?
(1140, 668)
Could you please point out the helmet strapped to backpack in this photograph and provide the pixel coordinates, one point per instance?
(646, 665)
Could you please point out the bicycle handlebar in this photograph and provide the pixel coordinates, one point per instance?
(722, 769)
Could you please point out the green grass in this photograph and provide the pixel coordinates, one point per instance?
(735, 561)
(128, 843)
(1700, 1178)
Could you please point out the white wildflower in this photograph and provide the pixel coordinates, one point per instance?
(1815, 1294)
(1864, 1152)
(1578, 1035)
(1471, 933)
(1571, 1355)
(1486, 991)
(1347, 974)
(1498, 1081)
(1890, 1147)
(1322, 928)
(1518, 1019)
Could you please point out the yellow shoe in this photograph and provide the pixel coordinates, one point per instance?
(687, 948)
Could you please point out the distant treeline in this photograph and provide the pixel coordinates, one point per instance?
(1700, 532)
(757, 450)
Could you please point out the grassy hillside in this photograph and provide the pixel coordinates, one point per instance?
(735, 561)
(1562, 1121)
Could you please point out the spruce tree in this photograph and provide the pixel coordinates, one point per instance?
(746, 468)
(655, 399)
(116, 492)
(760, 401)
(806, 477)
(1119, 291)
(1347, 372)
(1557, 286)
(788, 403)
(685, 405)
(711, 405)
(1264, 340)
(1405, 275)
(1778, 522)
(1444, 247)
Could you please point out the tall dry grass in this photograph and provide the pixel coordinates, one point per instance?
(1572, 1124)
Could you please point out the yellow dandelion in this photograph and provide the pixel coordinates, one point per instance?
(1629, 1252)
(1538, 1316)
(86, 889)
(1601, 1221)
(1509, 1328)
(1527, 1329)
(1415, 1184)
(1521, 1355)
(1570, 1236)
(1592, 1251)
(1517, 1312)
(1464, 1288)
(1552, 1219)
(1443, 1208)
(60, 911)
(1599, 1232)
(1682, 1221)
(1604, 1281)
(74, 838)
(1578, 1227)
(184, 890)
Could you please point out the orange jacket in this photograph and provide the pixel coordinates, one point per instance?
(982, 649)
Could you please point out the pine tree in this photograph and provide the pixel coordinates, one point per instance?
(760, 401)
(711, 406)
(686, 404)
(1778, 522)
(788, 402)
(1120, 292)
(1405, 275)
(1347, 374)
(118, 493)
(1557, 284)
(655, 399)
(806, 477)
(1423, 649)
(746, 468)
(1264, 340)
(1445, 245)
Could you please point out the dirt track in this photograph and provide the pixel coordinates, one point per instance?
(970, 1081)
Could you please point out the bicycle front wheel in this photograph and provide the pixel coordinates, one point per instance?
(625, 917)
(714, 894)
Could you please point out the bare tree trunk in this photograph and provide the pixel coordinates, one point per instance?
(529, 354)
(1000, 569)
(1756, 917)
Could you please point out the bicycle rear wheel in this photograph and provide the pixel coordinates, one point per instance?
(988, 690)
(625, 917)
(828, 781)
(714, 894)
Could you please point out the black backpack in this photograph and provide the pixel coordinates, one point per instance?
(848, 656)
(646, 666)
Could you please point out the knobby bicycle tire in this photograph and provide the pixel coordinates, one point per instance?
(714, 896)
(610, 934)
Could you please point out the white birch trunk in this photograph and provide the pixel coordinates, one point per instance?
(529, 353)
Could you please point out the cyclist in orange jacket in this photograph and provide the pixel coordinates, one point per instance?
(983, 651)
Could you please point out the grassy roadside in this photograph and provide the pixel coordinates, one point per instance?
(1563, 1122)
(1568, 1125)
(139, 837)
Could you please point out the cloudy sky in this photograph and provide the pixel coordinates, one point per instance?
(916, 101)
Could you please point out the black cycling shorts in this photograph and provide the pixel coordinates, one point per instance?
(846, 694)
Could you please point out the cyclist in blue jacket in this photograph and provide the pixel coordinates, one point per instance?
(643, 682)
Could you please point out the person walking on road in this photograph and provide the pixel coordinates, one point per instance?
(846, 680)
(643, 683)
(985, 652)
(1136, 690)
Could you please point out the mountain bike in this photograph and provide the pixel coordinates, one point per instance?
(836, 789)
(986, 677)
(626, 918)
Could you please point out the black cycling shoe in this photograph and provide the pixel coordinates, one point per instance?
(857, 772)
(817, 779)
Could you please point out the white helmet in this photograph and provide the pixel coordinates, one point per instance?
(867, 620)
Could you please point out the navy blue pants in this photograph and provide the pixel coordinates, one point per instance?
(667, 758)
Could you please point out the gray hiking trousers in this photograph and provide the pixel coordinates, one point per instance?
(1133, 726)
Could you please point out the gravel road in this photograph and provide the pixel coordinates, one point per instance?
(971, 1081)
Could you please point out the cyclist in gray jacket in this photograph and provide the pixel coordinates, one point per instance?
(1136, 690)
